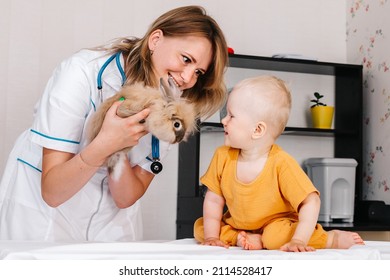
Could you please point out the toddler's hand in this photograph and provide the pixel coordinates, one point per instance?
(296, 246)
(215, 242)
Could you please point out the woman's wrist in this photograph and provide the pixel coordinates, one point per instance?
(94, 154)
(89, 162)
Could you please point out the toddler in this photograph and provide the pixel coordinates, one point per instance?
(271, 202)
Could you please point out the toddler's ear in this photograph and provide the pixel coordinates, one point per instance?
(260, 130)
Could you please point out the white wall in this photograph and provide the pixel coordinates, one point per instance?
(36, 35)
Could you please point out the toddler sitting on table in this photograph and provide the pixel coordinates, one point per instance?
(271, 202)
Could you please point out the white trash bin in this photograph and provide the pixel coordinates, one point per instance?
(335, 180)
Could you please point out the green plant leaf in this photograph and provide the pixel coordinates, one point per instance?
(317, 95)
(316, 101)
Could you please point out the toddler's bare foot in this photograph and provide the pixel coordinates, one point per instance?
(339, 239)
(249, 241)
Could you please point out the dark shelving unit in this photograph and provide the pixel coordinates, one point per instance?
(347, 132)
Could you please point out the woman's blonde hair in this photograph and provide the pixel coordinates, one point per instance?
(209, 92)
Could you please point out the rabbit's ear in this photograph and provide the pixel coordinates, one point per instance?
(176, 92)
(170, 92)
(164, 89)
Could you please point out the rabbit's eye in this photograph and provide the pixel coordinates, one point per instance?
(177, 125)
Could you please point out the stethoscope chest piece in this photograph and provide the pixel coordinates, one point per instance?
(156, 167)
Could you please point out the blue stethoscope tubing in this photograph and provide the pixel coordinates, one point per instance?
(117, 57)
(156, 166)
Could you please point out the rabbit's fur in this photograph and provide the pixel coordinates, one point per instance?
(171, 119)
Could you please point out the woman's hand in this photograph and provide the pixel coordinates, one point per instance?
(118, 133)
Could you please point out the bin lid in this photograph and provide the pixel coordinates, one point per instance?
(350, 162)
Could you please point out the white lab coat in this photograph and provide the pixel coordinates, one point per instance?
(60, 119)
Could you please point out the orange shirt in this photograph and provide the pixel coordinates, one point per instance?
(277, 191)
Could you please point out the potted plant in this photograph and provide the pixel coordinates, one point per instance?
(322, 114)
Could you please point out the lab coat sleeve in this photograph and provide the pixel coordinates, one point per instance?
(61, 113)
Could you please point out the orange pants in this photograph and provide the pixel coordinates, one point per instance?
(273, 236)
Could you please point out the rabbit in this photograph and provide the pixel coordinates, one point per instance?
(171, 118)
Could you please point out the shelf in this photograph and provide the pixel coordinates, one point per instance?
(290, 65)
(305, 131)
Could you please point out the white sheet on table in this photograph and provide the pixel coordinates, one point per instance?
(184, 249)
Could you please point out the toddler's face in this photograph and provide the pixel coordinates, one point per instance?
(238, 123)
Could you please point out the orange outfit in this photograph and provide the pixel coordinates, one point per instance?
(268, 205)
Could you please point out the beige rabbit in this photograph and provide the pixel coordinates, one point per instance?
(171, 119)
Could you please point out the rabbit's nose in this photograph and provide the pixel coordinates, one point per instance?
(179, 135)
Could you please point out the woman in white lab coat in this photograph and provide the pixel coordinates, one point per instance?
(54, 186)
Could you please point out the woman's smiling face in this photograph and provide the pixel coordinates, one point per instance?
(182, 58)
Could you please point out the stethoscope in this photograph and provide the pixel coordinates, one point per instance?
(156, 165)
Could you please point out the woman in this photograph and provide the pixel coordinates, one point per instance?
(54, 187)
